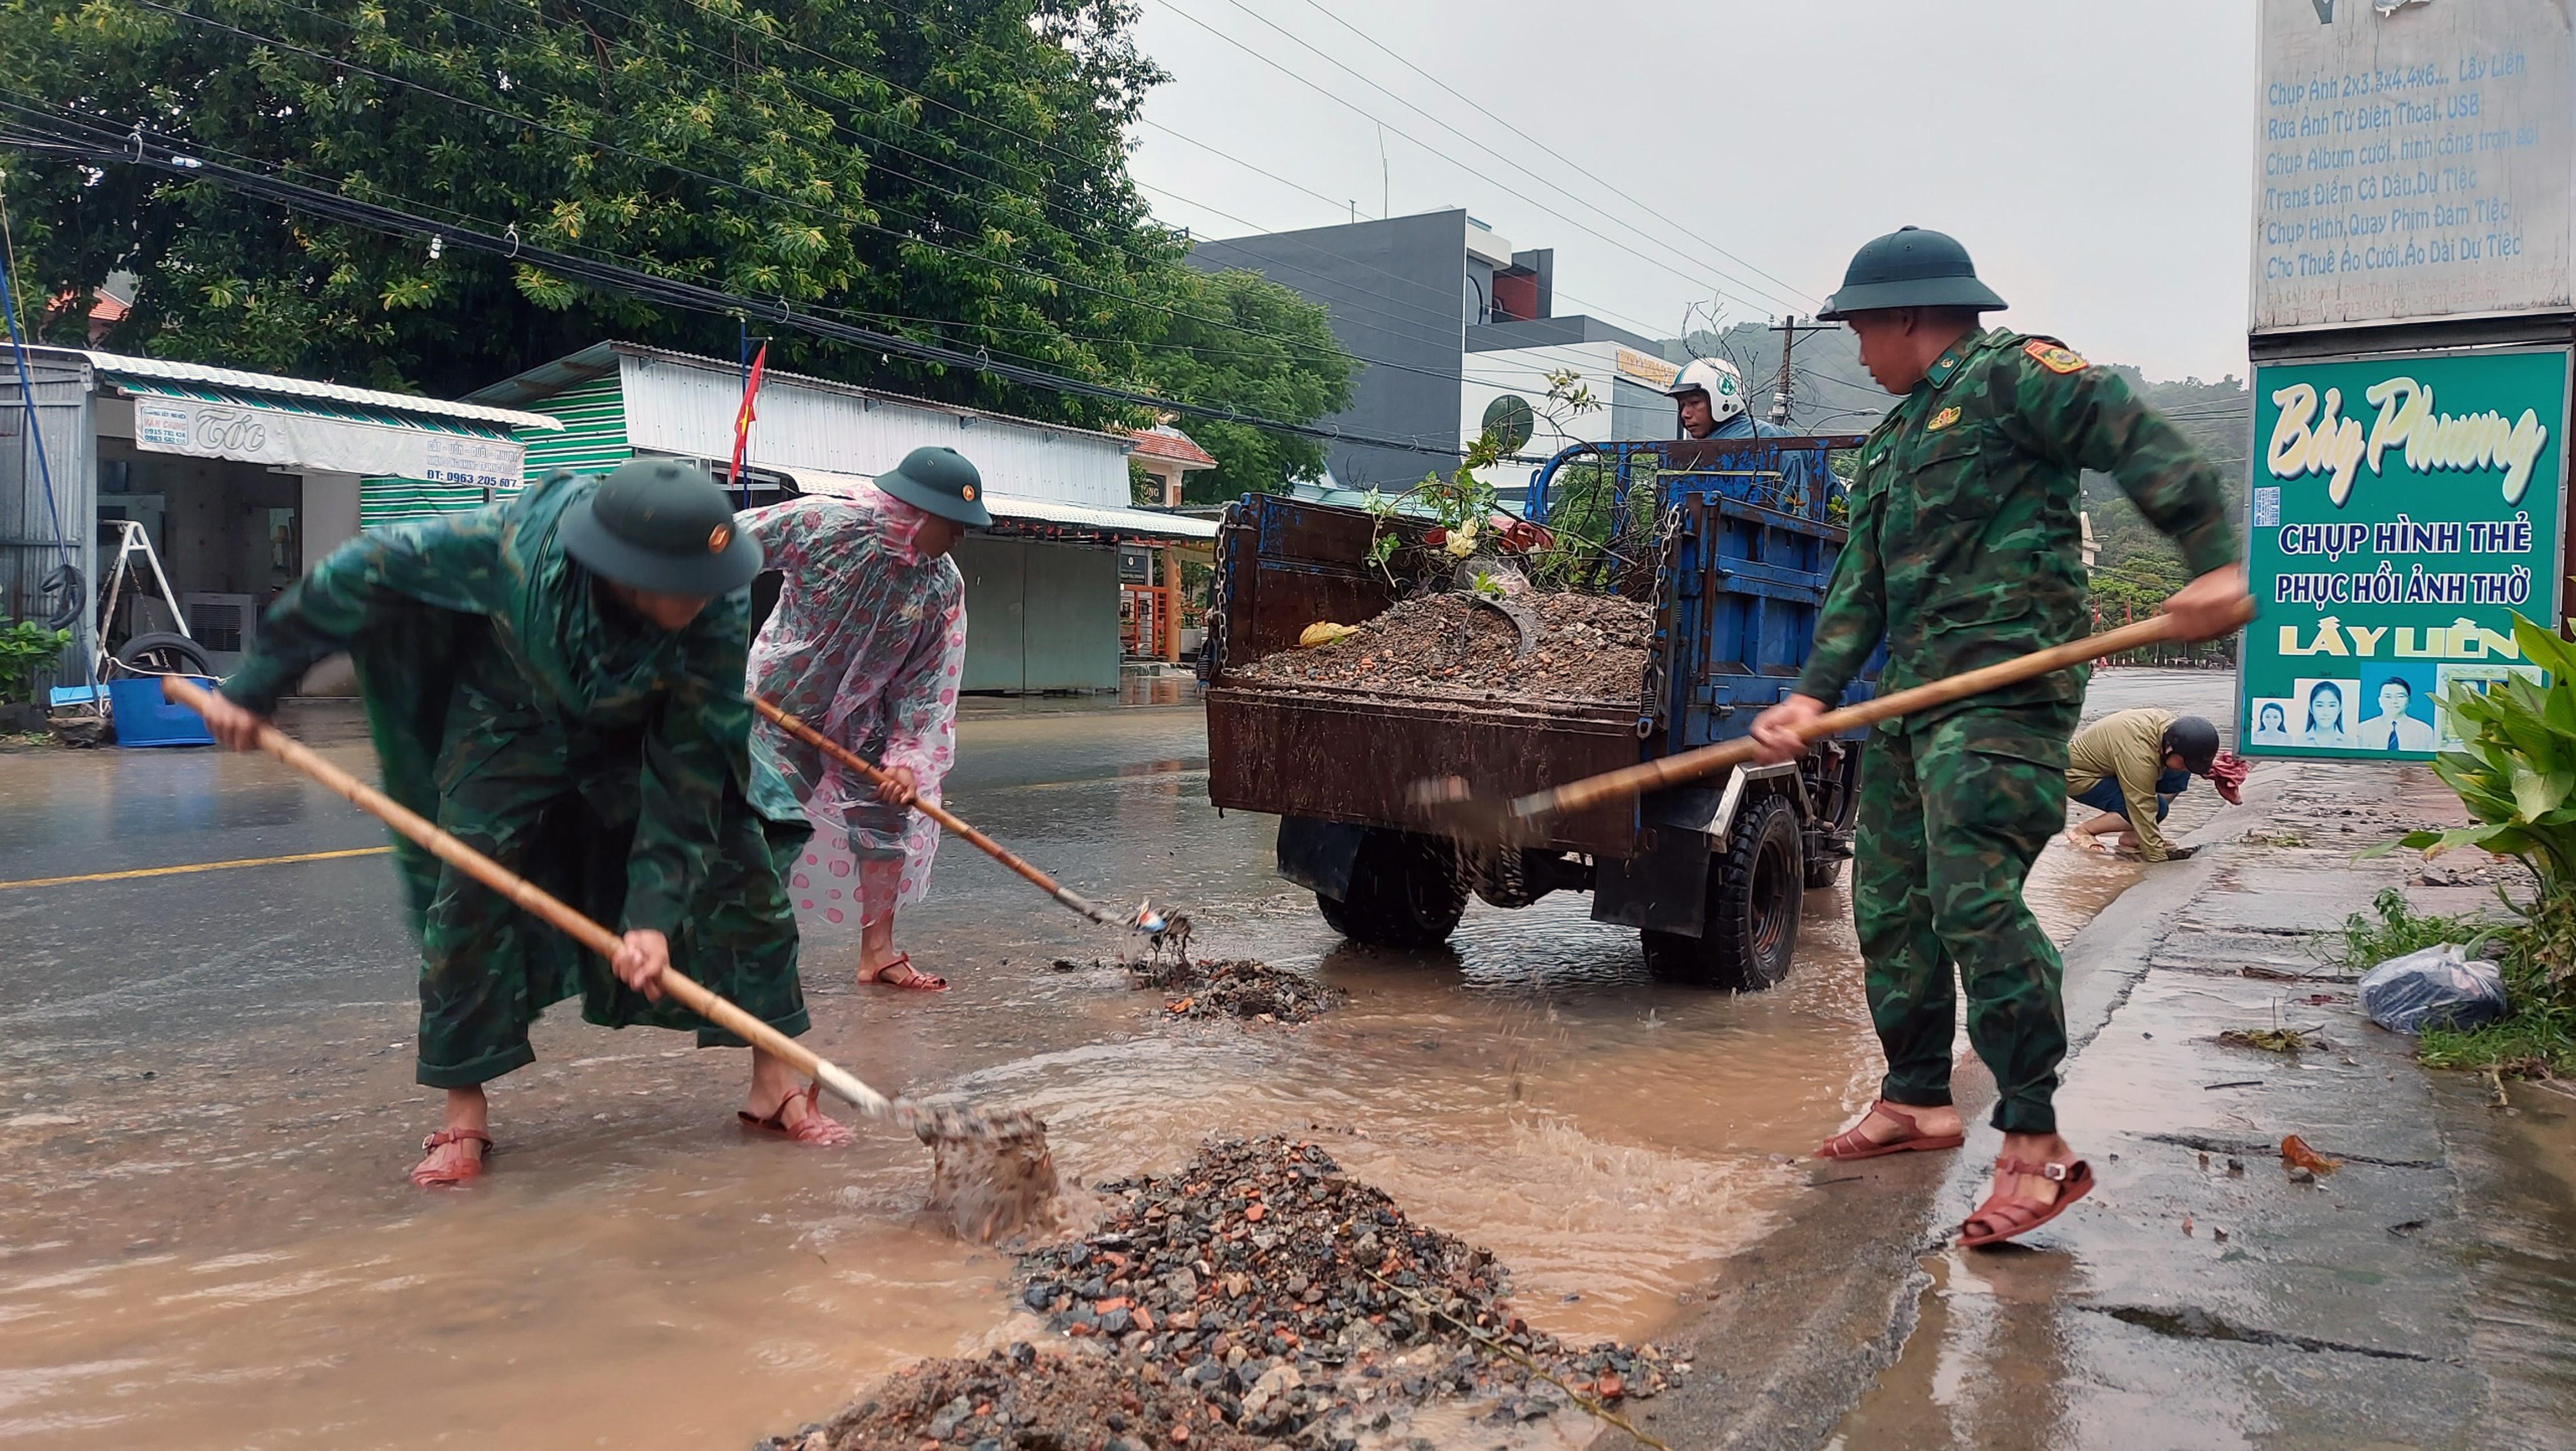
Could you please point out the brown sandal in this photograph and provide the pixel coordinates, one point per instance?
(429, 1178)
(814, 1128)
(1851, 1143)
(913, 980)
(2003, 1216)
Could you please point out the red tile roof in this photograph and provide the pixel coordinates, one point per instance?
(1170, 443)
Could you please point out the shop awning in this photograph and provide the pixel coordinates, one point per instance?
(1044, 515)
(296, 423)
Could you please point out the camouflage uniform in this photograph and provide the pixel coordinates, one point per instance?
(603, 758)
(1963, 553)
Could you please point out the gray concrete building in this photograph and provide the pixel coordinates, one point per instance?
(1446, 317)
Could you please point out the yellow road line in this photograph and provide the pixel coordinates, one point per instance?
(255, 861)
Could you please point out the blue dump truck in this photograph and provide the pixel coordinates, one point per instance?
(1730, 543)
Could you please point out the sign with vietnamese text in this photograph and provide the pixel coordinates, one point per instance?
(2404, 510)
(2412, 161)
(313, 443)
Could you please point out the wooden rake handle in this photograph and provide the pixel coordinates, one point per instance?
(985, 844)
(1709, 760)
(538, 902)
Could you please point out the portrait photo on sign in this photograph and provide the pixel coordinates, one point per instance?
(2273, 716)
(2396, 708)
(2324, 717)
(2449, 680)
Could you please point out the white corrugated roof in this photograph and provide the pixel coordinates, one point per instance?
(1146, 523)
(114, 364)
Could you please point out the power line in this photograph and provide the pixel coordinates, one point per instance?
(103, 146)
(1450, 319)
(1356, 109)
(1579, 169)
(1221, 324)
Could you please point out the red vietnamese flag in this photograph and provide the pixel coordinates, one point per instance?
(742, 419)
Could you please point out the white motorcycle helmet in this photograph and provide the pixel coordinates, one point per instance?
(1719, 380)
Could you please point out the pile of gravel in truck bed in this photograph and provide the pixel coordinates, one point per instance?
(1305, 1306)
(1589, 647)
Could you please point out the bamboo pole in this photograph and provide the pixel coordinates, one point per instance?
(985, 844)
(539, 903)
(1449, 804)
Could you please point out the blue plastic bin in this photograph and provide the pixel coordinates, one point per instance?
(143, 718)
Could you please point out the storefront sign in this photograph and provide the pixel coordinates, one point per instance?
(2412, 161)
(312, 444)
(1647, 369)
(2404, 510)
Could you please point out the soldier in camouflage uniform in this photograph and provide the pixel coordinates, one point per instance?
(557, 680)
(1964, 553)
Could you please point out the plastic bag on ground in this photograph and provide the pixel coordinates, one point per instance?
(2436, 986)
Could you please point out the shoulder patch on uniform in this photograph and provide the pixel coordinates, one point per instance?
(2055, 357)
(1942, 419)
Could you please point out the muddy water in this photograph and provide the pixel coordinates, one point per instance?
(206, 1111)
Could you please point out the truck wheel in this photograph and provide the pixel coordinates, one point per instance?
(1754, 892)
(162, 653)
(1823, 872)
(1405, 892)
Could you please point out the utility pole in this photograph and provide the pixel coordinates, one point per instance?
(1788, 328)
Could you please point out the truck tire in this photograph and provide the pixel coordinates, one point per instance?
(1754, 893)
(1406, 892)
(163, 653)
(1823, 872)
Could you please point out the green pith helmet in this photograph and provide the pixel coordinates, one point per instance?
(660, 525)
(939, 481)
(1910, 267)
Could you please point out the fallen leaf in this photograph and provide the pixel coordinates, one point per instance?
(1324, 632)
(2296, 1153)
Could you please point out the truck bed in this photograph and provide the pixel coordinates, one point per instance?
(1340, 753)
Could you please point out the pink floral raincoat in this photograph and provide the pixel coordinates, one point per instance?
(867, 645)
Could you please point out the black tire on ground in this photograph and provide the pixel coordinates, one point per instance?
(1406, 891)
(1754, 891)
(164, 654)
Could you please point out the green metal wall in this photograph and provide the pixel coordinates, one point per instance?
(594, 433)
(1039, 616)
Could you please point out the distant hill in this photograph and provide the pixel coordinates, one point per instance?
(1831, 393)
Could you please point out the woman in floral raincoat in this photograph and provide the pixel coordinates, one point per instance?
(867, 645)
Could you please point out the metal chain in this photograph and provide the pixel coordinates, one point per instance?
(1651, 685)
(1220, 576)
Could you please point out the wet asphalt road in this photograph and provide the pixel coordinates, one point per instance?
(206, 1110)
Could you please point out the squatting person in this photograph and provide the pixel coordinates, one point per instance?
(557, 681)
(2130, 765)
(1963, 552)
(867, 645)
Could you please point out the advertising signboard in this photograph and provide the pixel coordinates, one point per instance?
(2412, 161)
(2404, 509)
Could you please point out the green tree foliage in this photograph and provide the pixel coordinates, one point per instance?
(1237, 339)
(953, 170)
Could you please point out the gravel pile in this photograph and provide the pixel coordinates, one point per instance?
(1589, 648)
(1020, 1400)
(1304, 1305)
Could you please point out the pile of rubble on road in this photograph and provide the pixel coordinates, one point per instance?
(1240, 987)
(1305, 1305)
(1020, 1400)
(1587, 648)
(1237, 988)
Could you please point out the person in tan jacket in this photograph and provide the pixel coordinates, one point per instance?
(2129, 766)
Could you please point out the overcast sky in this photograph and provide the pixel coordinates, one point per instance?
(2094, 157)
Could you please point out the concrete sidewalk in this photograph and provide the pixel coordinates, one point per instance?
(2424, 1294)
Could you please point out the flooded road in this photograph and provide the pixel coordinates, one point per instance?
(206, 1110)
